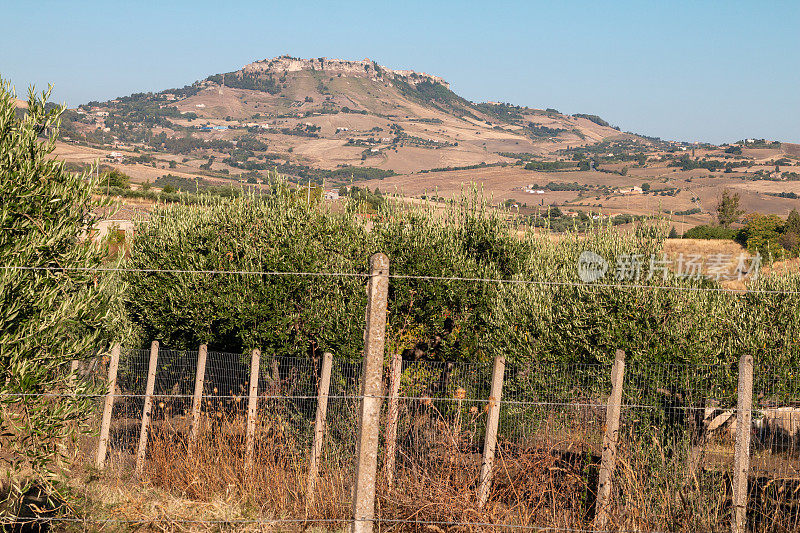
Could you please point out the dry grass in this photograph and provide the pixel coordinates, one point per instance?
(433, 483)
(551, 481)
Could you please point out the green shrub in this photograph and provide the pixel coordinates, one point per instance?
(710, 232)
(594, 118)
(790, 242)
(549, 165)
(178, 183)
(761, 234)
(451, 319)
(304, 316)
(115, 178)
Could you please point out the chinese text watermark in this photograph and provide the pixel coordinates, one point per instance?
(638, 267)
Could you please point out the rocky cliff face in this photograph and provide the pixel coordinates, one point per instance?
(365, 68)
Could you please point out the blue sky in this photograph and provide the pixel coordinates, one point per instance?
(707, 71)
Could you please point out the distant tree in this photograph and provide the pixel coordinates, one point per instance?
(173, 164)
(115, 178)
(728, 210)
(762, 234)
(673, 233)
(790, 238)
(645, 187)
(793, 222)
(791, 242)
(343, 190)
(207, 165)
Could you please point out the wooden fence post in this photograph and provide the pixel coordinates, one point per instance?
(741, 457)
(200, 376)
(252, 408)
(460, 395)
(498, 372)
(147, 411)
(105, 424)
(609, 457)
(276, 377)
(395, 371)
(366, 460)
(319, 424)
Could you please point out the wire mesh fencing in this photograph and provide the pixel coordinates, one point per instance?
(774, 488)
(674, 451)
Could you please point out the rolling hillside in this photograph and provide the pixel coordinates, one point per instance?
(356, 122)
(327, 113)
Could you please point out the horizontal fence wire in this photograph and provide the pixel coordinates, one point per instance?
(511, 281)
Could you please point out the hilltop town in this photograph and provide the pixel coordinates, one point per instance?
(365, 68)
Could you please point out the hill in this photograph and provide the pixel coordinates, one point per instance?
(327, 113)
(354, 122)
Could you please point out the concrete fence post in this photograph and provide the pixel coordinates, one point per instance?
(147, 411)
(608, 459)
(492, 424)
(73, 382)
(200, 376)
(741, 454)
(319, 424)
(252, 408)
(366, 460)
(395, 371)
(108, 407)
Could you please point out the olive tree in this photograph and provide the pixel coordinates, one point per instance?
(54, 304)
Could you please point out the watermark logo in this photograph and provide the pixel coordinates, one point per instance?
(591, 266)
(638, 267)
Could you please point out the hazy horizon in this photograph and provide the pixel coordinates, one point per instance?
(715, 72)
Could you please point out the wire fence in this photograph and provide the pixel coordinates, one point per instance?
(674, 451)
(690, 288)
(674, 460)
